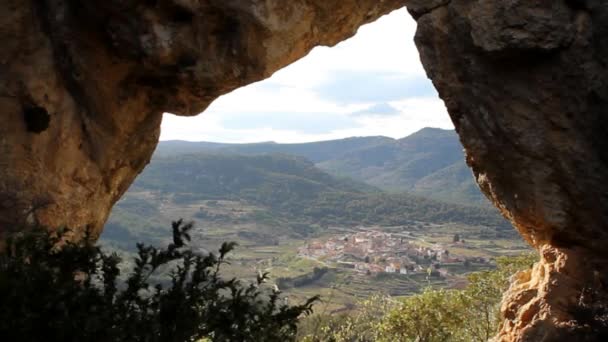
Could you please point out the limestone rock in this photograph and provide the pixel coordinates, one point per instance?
(521, 25)
(417, 8)
(525, 83)
(562, 298)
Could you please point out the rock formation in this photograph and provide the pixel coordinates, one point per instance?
(525, 83)
(84, 84)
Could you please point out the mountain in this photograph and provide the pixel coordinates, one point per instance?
(429, 162)
(267, 177)
(399, 165)
(277, 194)
(314, 151)
(175, 147)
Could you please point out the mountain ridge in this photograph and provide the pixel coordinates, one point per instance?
(428, 163)
(289, 194)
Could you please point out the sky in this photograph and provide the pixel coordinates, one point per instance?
(371, 84)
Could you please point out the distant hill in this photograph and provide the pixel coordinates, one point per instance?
(429, 162)
(286, 187)
(397, 166)
(264, 178)
(314, 151)
(177, 147)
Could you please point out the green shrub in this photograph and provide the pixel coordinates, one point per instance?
(435, 315)
(359, 325)
(73, 293)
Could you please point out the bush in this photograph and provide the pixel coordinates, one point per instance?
(73, 293)
(360, 325)
(467, 315)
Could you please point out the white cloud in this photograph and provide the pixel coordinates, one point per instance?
(413, 115)
(322, 91)
(260, 97)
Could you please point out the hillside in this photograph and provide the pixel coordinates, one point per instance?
(429, 163)
(268, 178)
(315, 151)
(294, 186)
(280, 195)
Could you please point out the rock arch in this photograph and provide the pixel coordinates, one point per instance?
(84, 85)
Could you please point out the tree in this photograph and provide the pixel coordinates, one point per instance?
(55, 290)
(456, 237)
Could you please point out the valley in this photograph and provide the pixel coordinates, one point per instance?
(314, 232)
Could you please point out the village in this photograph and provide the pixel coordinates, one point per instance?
(372, 252)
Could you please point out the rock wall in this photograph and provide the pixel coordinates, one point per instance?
(83, 85)
(526, 85)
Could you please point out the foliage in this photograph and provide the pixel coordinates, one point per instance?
(467, 315)
(432, 315)
(361, 325)
(54, 290)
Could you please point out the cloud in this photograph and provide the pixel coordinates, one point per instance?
(380, 109)
(413, 115)
(262, 97)
(367, 86)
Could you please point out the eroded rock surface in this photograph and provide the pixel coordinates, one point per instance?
(83, 85)
(526, 85)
